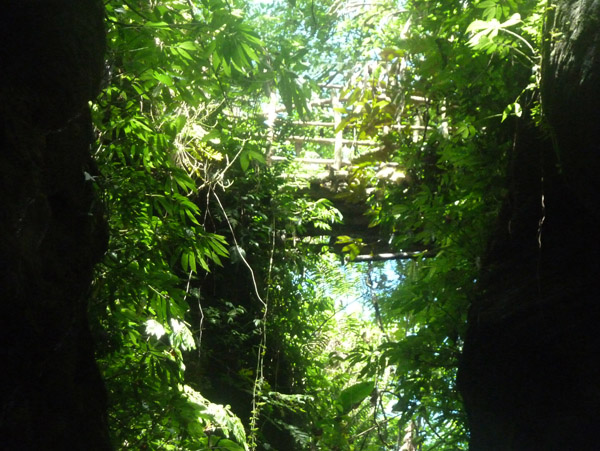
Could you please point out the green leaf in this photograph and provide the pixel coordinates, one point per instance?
(157, 25)
(153, 327)
(249, 52)
(513, 20)
(188, 261)
(352, 396)
(244, 161)
(163, 78)
(256, 156)
(187, 45)
(486, 4)
(227, 444)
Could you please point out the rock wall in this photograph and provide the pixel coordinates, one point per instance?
(51, 226)
(530, 370)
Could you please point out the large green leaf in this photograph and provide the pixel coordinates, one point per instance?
(351, 397)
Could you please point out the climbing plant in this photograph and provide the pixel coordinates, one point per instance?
(171, 73)
(440, 95)
(177, 124)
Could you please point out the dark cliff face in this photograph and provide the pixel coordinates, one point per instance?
(571, 92)
(51, 227)
(530, 373)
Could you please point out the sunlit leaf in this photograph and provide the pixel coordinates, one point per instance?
(352, 396)
(153, 327)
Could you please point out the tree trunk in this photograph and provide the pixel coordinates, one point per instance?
(51, 228)
(530, 370)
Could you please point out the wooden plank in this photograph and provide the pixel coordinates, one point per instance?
(304, 160)
(392, 256)
(415, 99)
(313, 124)
(339, 136)
(332, 141)
(419, 99)
(331, 124)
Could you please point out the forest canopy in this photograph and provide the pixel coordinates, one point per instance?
(299, 196)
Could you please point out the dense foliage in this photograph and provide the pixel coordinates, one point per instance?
(218, 310)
